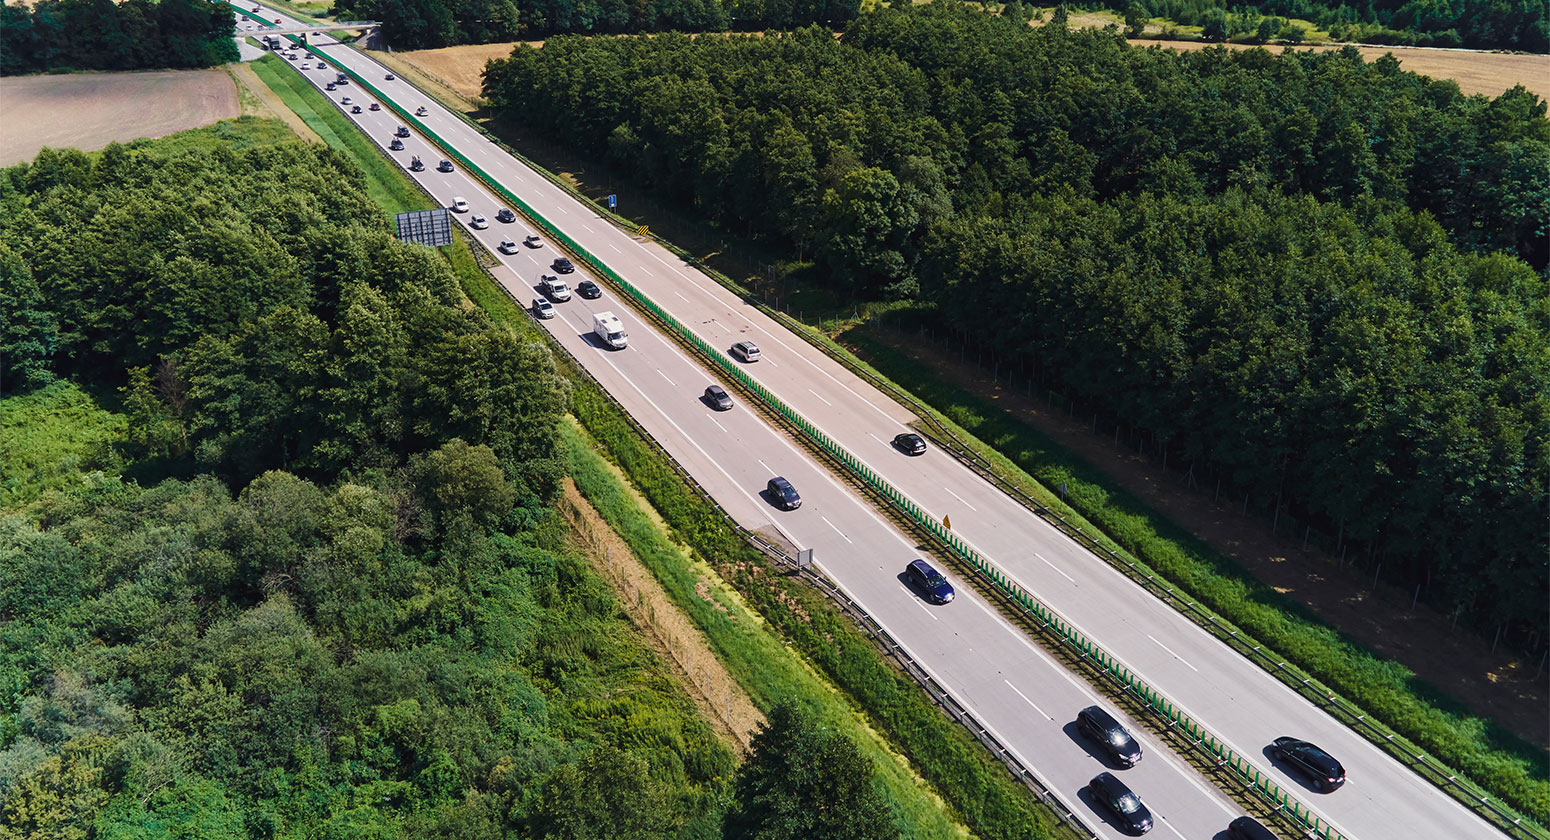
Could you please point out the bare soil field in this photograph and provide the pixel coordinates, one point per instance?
(90, 110)
(459, 68)
(1476, 72)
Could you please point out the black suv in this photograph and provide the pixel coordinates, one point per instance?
(562, 265)
(718, 398)
(1320, 767)
(403, 131)
(396, 146)
(784, 495)
(505, 215)
(1112, 794)
(930, 581)
(1101, 726)
(910, 443)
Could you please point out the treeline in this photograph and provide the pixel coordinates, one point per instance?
(354, 610)
(421, 24)
(51, 35)
(1477, 24)
(1283, 269)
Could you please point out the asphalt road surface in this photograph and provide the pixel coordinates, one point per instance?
(1023, 697)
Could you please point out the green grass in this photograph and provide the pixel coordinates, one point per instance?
(1389, 693)
(235, 134)
(385, 184)
(51, 438)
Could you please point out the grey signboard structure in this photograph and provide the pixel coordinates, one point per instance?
(427, 227)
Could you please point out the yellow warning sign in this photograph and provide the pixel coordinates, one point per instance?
(643, 230)
(947, 522)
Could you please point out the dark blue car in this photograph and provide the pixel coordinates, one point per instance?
(929, 581)
(783, 494)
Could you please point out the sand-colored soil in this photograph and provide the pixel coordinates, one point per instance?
(1476, 72)
(459, 68)
(90, 110)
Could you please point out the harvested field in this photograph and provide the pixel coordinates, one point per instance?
(458, 68)
(1476, 72)
(90, 110)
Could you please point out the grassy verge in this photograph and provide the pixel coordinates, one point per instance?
(50, 439)
(385, 184)
(1506, 765)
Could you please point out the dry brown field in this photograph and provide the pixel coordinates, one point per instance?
(90, 110)
(461, 68)
(1476, 72)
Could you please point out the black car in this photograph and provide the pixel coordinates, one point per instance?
(1320, 767)
(1248, 828)
(929, 581)
(390, 77)
(505, 215)
(910, 443)
(784, 494)
(329, 86)
(562, 265)
(397, 145)
(1112, 794)
(416, 165)
(403, 131)
(718, 398)
(355, 109)
(1101, 726)
(444, 166)
(589, 290)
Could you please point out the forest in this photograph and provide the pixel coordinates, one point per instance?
(63, 35)
(319, 586)
(1309, 277)
(1476, 24)
(422, 24)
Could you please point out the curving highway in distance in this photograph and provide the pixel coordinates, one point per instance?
(1026, 699)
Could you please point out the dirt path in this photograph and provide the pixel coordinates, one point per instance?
(90, 110)
(1496, 686)
(268, 104)
(719, 698)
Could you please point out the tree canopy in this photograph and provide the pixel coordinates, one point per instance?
(106, 35)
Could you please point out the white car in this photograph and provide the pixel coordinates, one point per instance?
(507, 247)
(478, 222)
(555, 288)
(421, 111)
(460, 205)
(543, 308)
(346, 101)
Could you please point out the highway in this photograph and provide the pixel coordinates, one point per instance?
(1027, 700)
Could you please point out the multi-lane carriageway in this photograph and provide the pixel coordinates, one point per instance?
(1025, 698)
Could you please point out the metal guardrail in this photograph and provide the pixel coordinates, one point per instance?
(1224, 757)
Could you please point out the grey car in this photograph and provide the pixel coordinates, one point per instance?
(718, 398)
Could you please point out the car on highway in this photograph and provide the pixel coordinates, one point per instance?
(255, 8)
(389, 77)
(347, 101)
(306, 66)
(416, 165)
(1110, 734)
(321, 65)
(783, 494)
(375, 107)
(397, 145)
(542, 308)
(718, 398)
(478, 222)
(910, 443)
(505, 215)
(329, 86)
(533, 241)
(444, 166)
(589, 290)
(422, 111)
(290, 57)
(932, 583)
(507, 247)
(402, 131)
(1118, 799)
(562, 265)
(555, 288)
(1320, 767)
(746, 350)
(355, 109)
(1248, 828)
(459, 204)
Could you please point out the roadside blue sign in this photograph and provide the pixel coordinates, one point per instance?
(613, 201)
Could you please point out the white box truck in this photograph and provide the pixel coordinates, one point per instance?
(606, 326)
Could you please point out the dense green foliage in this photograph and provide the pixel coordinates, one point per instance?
(1478, 24)
(420, 24)
(50, 438)
(104, 35)
(1212, 247)
(357, 615)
